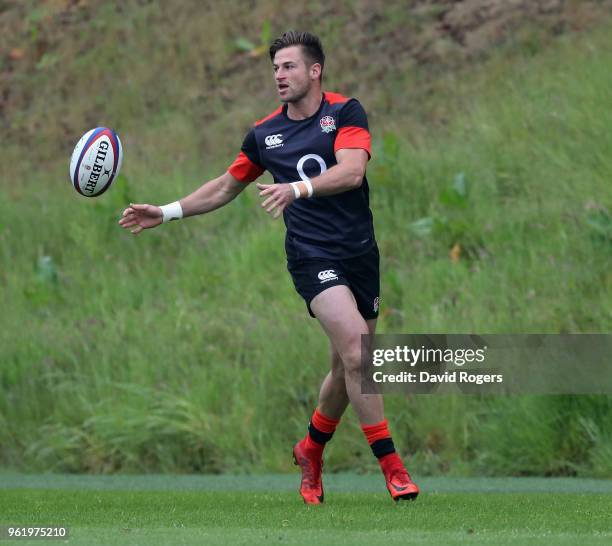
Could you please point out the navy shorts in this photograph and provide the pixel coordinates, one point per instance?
(361, 274)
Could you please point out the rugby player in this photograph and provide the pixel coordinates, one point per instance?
(316, 146)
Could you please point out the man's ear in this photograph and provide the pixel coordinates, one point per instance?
(315, 71)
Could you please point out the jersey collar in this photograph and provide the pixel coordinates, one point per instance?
(285, 106)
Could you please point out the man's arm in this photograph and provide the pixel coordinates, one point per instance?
(346, 175)
(208, 197)
(212, 195)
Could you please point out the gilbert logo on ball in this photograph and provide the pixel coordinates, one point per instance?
(96, 161)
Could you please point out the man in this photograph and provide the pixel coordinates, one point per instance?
(316, 146)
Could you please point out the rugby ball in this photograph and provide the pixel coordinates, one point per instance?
(96, 161)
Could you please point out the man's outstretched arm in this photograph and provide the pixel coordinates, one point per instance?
(208, 197)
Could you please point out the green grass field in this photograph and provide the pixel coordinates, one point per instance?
(266, 509)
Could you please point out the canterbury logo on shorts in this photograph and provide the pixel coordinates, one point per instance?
(327, 275)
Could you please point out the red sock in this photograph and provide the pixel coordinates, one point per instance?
(380, 441)
(320, 430)
(377, 431)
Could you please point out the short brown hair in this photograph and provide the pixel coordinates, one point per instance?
(311, 46)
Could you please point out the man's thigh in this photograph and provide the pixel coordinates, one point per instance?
(336, 310)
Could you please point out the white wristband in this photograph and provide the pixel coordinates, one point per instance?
(171, 211)
(296, 190)
(309, 187)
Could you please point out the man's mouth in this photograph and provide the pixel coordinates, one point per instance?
(282, 86)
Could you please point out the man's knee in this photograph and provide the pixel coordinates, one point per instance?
(351, 356)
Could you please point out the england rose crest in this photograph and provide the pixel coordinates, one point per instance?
(328, 124)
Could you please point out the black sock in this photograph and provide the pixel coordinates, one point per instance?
(318, 436)
(383, 447)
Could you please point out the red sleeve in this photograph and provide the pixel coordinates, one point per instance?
(353, 130)
(353, 137)
(244, 170)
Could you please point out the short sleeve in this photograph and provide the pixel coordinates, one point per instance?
(353, 130)
(247, 165)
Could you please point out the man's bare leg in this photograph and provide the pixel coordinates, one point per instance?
(333, 398)
(336, 310)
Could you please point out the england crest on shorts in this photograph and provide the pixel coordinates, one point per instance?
(328, 124)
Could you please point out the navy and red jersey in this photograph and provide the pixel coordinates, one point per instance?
(333, 226)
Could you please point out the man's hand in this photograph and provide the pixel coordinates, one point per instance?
(278, 196)
(141, 216)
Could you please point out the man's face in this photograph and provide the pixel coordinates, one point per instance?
(294, 78)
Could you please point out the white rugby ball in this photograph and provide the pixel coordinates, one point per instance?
(96, 161)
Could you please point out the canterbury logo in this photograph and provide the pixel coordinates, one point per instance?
(327, 275)
(273, 141)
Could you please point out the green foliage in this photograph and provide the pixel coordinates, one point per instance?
(452, 221)
(186, 348)
(600, 221)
